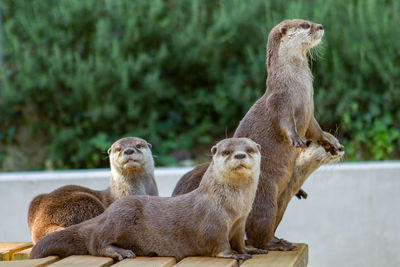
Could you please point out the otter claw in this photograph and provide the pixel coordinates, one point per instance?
(277, 244)
(297, 141)
(255, 251)
(242, 256)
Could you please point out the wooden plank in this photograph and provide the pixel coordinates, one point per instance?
(31, 263)
(298, 258)
(207, 262)
(7, 249)
(22, 255)
(147, 262)
(84, 260)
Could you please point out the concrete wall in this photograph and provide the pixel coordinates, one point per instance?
(351, 217)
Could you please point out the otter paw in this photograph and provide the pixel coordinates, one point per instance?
(243, 257)
(116, 253)
(301, 194)
(253, 251)
(126, 254)
(280, 245)
(297, 141)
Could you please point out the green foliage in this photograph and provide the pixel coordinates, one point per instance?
(82, 74)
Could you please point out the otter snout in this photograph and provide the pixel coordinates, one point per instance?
(320, 27)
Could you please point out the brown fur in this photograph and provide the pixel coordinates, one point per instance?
(74, 204)
(281, 121)
(207, 221)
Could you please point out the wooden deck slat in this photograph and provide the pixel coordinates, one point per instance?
(23, 254)
(7, 249)
(147, 262)
(298, 258)
(31, 263)
(207, 262)
(20, 251)
(83, 260)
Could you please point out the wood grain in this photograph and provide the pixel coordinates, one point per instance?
(31, 263)
(22, 255)
(207, 262)
(298, 258)
(84, 260)
(147, 262)
(7, 249)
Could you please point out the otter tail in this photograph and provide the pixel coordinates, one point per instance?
(62, 243)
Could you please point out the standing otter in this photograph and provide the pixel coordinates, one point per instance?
(281, 121)
(132, 173)
(208, 221)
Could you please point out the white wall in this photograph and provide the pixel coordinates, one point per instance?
(351, 216)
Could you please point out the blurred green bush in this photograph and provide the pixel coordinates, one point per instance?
(77, 75)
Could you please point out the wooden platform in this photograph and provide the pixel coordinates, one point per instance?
(17, 254)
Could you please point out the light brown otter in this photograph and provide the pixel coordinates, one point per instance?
(281, 121)
(207, 221)
(132, 173)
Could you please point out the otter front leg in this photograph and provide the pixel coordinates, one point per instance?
(116, 252)
(289, 129)
(227, 252)
(238, 243)
(260, 224)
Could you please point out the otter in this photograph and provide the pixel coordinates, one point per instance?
(281, 121)
(209, 221)
(132, 173)
(311, 158)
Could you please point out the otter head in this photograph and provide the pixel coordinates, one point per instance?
(130, 156)
(321, 152)
(237, 160)
(293, 38)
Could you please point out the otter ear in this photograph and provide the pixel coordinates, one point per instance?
(149, 145)
(259, 147)
(214, 150)
(283, 30)
(109, 151)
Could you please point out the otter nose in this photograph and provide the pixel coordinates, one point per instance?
(240, 156)
(341, 148)
(320, 27)
(129, 151)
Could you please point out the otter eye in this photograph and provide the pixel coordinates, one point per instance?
(305, 25)
(250, 150)
(226, 152)
(139, 146)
